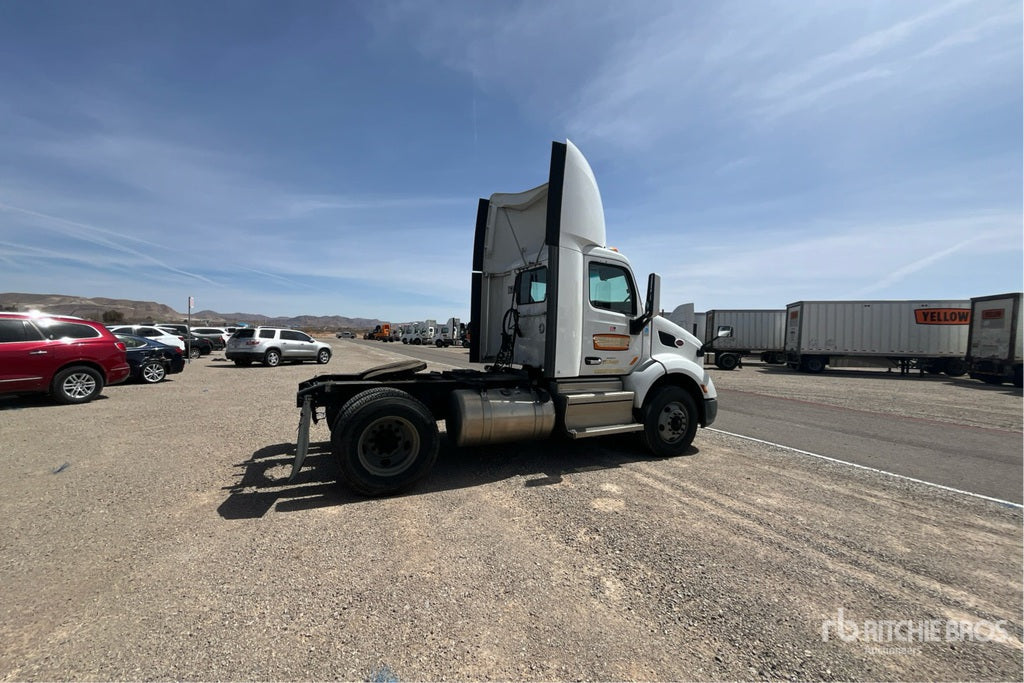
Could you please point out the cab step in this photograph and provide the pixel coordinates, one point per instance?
(587, 432)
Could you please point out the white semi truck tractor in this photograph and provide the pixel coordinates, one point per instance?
(573, 350)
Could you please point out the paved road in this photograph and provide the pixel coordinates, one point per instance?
(974, 459)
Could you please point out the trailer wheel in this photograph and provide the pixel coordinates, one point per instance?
(727, 361)
(385, 441)
(670, 422)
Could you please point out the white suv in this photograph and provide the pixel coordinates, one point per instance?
(271, 345)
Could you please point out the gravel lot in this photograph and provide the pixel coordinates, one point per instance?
(151, 535)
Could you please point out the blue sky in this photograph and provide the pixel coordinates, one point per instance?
(326, 157)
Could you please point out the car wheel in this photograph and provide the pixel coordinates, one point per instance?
(193, 351)
(386, 440)
(323, 357)
(77, 385)
(153, 372)
(272, 358)
(670, 422)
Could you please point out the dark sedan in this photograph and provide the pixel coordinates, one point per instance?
(150, 360)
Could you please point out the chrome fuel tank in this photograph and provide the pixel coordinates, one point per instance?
(499, 415)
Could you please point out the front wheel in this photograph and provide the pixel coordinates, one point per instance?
(670, 422)
(385, 441)
(323, 356)
(193, 352)
(727, 361)
(153, 372)
(77, 385)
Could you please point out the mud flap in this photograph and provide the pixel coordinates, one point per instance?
(302, 444)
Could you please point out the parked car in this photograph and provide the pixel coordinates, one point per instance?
(345, 335)
(151, 332)
(197, 346)
(69, 358)
(217, 335)
(150, 360)
(271, 345)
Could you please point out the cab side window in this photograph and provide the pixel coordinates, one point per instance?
(533, 286)
(611, 288)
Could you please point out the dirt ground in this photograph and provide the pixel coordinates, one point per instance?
(152, 534)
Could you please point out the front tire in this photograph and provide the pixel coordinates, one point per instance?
(323, 357)
(272, 358)
(77, 385)
(727, 361)
(385, 441)
(670, 422)
(193, 351)
(153, 372)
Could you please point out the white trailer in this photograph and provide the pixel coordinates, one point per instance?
(930, 336)
(733, 333)
(995, 340)
(573, 350)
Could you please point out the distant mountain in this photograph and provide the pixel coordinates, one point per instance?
(150, 311)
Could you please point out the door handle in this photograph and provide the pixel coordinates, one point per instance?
(37, 353)
(592, 360)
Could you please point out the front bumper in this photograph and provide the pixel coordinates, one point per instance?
(710, 411)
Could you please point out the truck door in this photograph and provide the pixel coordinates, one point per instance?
(611, 301)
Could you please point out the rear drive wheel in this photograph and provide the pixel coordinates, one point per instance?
(385, 441)
(323, 356)
(77, 384)
(152, 372)
(670, 422)
(272, 358)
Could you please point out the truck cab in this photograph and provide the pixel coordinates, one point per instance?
(572, 344)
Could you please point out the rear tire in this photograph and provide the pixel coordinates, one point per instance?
(153, 372)
(272, 358)
(77, 384)
(670, 422)
(385, 441)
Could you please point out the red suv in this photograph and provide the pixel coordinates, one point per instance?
(69, 358)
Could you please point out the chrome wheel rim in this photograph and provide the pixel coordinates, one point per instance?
(154, 372)
(79, 385)
(388, 446)
(672, 422)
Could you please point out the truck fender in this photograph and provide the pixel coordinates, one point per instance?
(665, 369)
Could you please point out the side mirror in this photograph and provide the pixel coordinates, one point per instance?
(652, 304)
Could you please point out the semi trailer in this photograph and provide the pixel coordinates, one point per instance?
(995, 339)
(930, 336)
(732, 334)
(572, 348)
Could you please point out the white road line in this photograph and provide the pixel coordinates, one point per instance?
(869, 469)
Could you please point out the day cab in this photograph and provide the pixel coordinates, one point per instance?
(574, 347)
